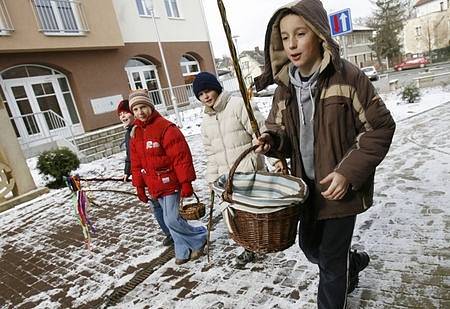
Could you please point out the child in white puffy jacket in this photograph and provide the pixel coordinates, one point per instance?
(226, 133)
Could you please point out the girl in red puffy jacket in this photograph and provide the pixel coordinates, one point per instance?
(161, 161)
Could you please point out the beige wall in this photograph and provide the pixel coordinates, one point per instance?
(104, 29)
(101, 73)
(438, 34)
(190, 27)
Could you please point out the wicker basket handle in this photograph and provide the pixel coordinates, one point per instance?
(227, 195)
(181, 201)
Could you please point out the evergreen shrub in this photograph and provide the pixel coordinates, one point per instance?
(410, 93)
(57, 163)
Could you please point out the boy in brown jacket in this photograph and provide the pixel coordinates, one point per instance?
(328, 119)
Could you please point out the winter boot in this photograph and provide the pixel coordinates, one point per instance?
(168, 241)
(245, 257)
(181, 261)
(196, 254)
(358, 261)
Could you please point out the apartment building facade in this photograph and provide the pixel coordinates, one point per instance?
(67, 63)
(356, 46)
(428, 27)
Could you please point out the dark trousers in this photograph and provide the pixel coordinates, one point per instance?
(327, 243)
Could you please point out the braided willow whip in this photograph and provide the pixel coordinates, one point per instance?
(237, 68)
(102, 179)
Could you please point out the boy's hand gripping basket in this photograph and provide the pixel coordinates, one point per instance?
(192, 211)
(264, 207)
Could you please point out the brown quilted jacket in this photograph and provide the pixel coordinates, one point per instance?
(353, 128)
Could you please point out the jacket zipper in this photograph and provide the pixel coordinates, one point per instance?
(316, 102)
(221, 139)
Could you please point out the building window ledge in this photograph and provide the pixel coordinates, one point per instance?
(64, 33)
(176, 18)
(148, 16)
(6, 32)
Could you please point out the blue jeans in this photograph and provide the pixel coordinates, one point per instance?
(186, 237)
(157, 210)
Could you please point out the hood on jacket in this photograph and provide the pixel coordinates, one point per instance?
(276, 61)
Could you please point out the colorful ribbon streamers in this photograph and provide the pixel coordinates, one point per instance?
(81, 204)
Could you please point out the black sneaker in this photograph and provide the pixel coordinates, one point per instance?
(168, 241)
(358, 261)
(245, 257)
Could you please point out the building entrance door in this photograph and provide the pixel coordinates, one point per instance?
(146, 77)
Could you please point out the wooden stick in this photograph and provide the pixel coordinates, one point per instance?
(101, 179)
(210, 223)
(237, 68)
(110, 190)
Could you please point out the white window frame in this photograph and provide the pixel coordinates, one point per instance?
(43, 17)
(6, 26)
(146, 66)
(145, 5)
(187, 64)
(169, 7)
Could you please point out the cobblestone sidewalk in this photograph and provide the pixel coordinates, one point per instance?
(44, 263)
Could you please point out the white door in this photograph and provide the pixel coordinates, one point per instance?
(146, 77)
(23, 110)
(39, 107)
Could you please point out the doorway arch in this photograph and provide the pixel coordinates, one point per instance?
(39, 101)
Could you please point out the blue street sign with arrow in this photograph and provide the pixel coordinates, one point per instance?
(340, 22)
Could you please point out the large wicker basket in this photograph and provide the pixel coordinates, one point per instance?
(192, 211)
(264, 207)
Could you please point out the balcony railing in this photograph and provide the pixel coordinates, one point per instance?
(60, 17)
(42, 127)
(184, 95)
(5, 21)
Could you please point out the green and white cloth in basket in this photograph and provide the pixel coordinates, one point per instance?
(261, 192)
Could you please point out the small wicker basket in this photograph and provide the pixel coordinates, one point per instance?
(192, 211)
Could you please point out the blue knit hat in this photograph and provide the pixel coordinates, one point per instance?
(205, 81)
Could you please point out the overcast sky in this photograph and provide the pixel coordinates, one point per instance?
(248, 19)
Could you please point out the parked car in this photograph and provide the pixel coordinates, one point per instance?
(412, 64)
(371, 73)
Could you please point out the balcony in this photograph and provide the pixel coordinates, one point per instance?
(5, 21)
(60, 17)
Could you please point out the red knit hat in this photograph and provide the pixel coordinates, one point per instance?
(123, 107)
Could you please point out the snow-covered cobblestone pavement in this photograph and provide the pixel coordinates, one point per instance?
(44, 263)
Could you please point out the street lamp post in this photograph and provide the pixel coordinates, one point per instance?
(150, 7)
(235, 38)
